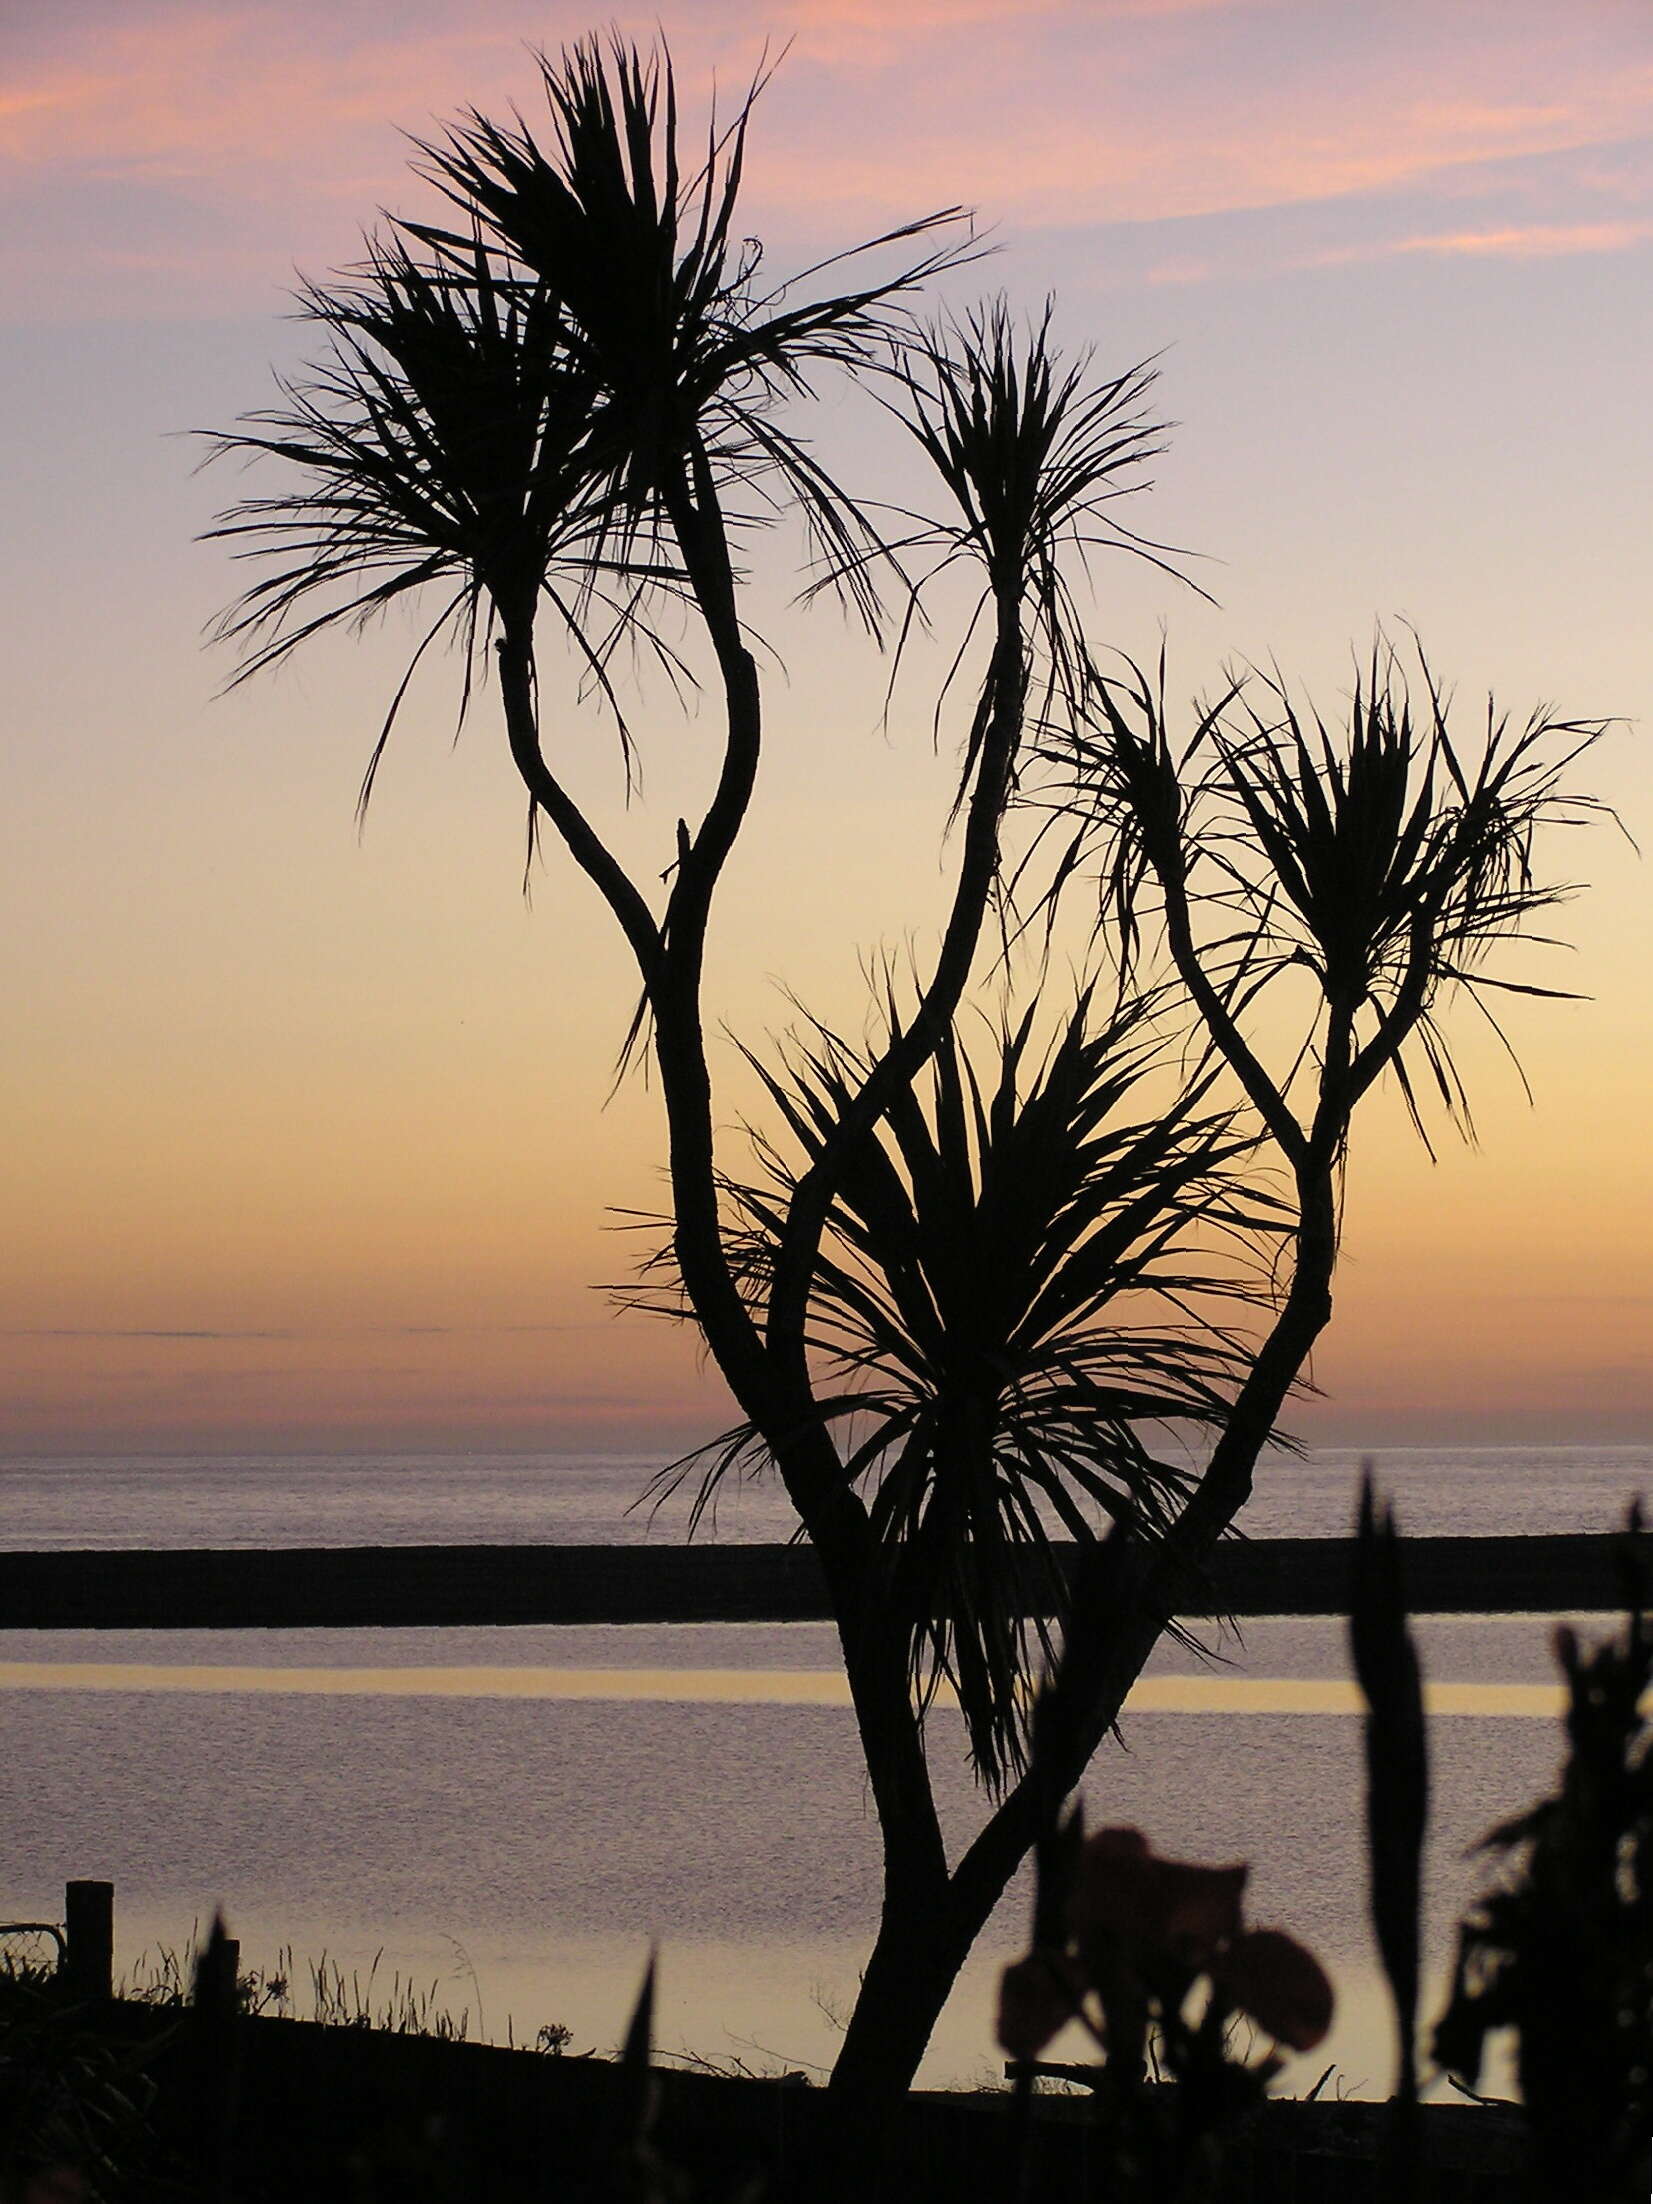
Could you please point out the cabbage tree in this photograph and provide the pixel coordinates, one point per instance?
(960, 1293)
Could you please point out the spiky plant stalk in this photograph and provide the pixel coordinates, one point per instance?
(1397, 1802)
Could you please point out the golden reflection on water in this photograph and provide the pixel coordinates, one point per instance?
(793, 1687)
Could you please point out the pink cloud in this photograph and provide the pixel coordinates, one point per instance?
(1532, 241)
(873, 33)
(206, 89)
(1539, 242)
(238, 140)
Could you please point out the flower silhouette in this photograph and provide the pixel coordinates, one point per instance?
(1140, 1932)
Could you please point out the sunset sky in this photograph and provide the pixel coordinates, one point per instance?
(307, 1139)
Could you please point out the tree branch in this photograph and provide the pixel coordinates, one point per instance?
(1265, 1097)
(590, 853)
(908, 1052)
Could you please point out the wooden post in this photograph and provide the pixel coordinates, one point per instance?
(89, 1934)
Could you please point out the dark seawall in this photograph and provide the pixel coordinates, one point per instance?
(346, 1586)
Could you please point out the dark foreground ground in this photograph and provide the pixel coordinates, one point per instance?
(270, 2109)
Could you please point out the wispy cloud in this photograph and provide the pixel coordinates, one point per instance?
(76, 1331)
(1502, 241)
(1536, 241)
(184, 155)
(342, 1331)
(1513, 241)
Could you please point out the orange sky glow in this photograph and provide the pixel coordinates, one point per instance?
(309, 1139)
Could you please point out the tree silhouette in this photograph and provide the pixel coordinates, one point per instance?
(957, 1306)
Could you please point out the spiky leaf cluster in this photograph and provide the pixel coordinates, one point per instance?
(1018, 1290)
(1382, 858)
(1034, 451)
(690, 352)
(541, 399)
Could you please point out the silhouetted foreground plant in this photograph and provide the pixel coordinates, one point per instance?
(563, 420)
(401, 2006)
(1397, 1800)
(1153, 1956)
(75, 2106)
(92, 2112)
(1561, 1950)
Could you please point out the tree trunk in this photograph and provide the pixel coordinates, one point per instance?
(924, 1939)
(929, 1926)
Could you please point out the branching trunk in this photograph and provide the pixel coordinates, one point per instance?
(931, 1916)
(774, 1389)
(908, 1053)
(921, 1948)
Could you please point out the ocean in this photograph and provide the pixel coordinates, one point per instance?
(511, 1818)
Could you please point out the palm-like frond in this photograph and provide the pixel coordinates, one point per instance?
(1035, 452)
(660, 294)
(504, 411)
(1003, 1315)
(1386, 858)
(445, 443)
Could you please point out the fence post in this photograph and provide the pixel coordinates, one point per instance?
(89, 1937)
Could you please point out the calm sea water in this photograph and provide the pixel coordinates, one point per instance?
(592, 1499)
(516, 1815)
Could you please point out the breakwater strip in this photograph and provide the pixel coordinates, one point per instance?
(337, 1587)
